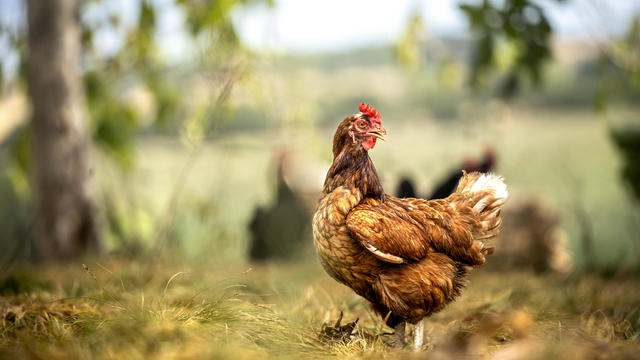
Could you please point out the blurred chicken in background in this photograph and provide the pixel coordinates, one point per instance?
(447, 185)
(532, 237)
(627, 140)
(282, 230)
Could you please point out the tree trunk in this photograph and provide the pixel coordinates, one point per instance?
(65, 214)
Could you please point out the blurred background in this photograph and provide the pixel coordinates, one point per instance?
(197, 134)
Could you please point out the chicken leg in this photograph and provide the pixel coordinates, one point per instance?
(418, 335)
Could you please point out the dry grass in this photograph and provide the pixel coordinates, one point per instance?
(124, 309)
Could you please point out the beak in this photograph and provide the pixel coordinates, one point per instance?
(379, 133)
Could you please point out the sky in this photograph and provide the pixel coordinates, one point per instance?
(334, 25)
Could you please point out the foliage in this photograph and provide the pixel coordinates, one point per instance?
(137, 64)
(408, 46)
(619, 70)
(131, 87)
(520, 25)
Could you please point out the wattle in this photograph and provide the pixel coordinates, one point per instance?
(369, 143)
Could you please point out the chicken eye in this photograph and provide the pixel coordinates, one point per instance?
(362, 124)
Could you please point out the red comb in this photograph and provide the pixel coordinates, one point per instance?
(371, 113)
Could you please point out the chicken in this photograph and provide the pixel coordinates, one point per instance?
(448, 185)
(405, 188)
(279, 232)
(627, 139)
(408, 257)
(532, 238)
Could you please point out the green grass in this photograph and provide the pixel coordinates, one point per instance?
(164, 310)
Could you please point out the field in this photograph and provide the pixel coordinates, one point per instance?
(561, 157)
(174, 281)
(193, 294)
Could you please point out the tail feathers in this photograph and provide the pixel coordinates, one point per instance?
(487, 193)
(476, 181)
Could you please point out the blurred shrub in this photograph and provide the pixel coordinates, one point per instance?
(518, 30)
(408, 46)
(619, 70)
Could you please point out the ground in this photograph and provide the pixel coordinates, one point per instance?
(157, 309)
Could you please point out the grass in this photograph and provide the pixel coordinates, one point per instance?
(162, 310)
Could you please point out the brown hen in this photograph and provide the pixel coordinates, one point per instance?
(408, 257)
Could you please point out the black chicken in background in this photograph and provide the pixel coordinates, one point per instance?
(448, 185)
(405, 188)
(280, 231)
(627, 140)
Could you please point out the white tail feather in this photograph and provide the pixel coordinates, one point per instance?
(491, 182)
